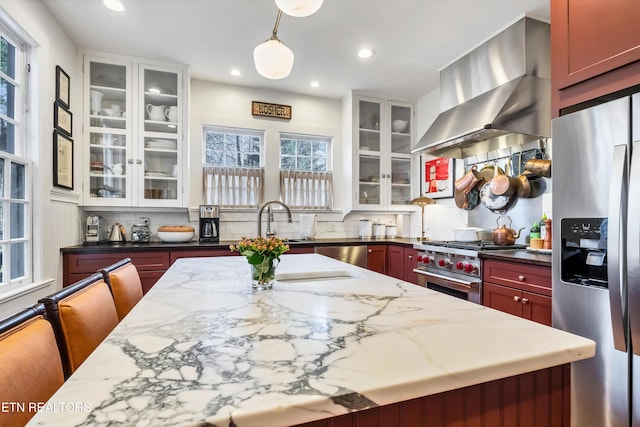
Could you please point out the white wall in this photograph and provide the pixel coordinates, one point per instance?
(227, 105)
(55, 212)
(444, 215)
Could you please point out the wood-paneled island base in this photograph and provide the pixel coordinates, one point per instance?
(539, 398)
(202, 348)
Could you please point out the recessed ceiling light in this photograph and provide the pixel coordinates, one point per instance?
(314, 84)
(365, 53)
(235, 72)
(115, 5)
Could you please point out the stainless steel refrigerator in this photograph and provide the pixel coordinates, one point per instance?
(596, 256)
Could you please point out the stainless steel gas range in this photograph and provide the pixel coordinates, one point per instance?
(454, 268)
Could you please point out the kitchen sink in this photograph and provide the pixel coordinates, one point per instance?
(315, 276)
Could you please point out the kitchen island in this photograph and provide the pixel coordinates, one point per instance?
(203, 348)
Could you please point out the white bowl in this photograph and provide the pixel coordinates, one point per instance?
(175, 236)
(399, 125)
(468, 234)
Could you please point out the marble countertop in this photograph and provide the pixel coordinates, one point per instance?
(224, 244)
(202, 346)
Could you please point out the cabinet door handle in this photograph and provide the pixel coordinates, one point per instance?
(138, 161)
(130, 161)
(516, 298)
(522, 277)
(370, 250)
(525, 301)
(410, 256)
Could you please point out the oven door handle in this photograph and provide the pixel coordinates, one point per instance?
(449, 278)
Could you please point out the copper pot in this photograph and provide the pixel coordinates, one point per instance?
(540, 167)
(469, 180)
(505, 235)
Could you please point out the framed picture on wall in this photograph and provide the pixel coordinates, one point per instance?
(62, 118)
(62, 160)
(63, 87)
(437, 177)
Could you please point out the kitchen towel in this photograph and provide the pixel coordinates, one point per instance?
(308, 225)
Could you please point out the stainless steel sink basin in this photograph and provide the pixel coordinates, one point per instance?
(298, 241)
(315, 276)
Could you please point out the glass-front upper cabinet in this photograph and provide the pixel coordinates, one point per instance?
(400, 152)
(383, 153)
(134, 127)
(107, 174)
(161, 112)
(369, 151)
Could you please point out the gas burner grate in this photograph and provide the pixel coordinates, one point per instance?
(485, 245)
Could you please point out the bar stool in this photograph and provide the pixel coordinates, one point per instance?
(30, 364)
(82, 315)
(124, 281)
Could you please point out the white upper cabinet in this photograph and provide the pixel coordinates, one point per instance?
(134, 132)
(383, 163)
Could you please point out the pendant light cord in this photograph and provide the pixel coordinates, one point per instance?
(274, 35)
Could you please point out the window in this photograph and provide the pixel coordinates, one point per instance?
(15, 207)
(232, 173)
(232, 147)
(306, 181)
(304, 153)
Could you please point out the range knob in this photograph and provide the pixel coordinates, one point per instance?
(461, 265)
(444, 262)
(471, 268)
(420, 258)
(428, 259)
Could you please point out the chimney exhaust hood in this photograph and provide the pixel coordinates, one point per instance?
(496, 96)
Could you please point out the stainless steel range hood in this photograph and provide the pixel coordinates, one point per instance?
(496, 96)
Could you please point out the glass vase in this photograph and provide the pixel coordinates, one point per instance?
(263, 275)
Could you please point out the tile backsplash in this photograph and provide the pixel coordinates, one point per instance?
(438, 219)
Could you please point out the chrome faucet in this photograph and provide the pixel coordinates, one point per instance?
(270, 216)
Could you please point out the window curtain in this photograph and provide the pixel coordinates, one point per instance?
(306, 189)
(233, 186)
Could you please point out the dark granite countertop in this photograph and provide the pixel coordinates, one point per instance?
(519, 255)
(224, 244)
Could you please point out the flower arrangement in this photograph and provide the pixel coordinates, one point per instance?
(261, 252)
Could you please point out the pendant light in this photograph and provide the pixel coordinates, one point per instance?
(299, 8)
(273, 59)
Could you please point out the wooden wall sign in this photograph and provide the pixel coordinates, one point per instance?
(271, 110)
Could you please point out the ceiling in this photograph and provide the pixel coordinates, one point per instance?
(412, 39)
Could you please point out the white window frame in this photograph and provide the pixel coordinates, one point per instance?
(233, 186)
(229, 130)
(307, 189)
(310, 138)
(21, 149)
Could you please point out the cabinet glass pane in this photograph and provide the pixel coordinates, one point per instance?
(400, 181)
(400, 129)
(161, 101)
(369, 180)
(160, 168)
(108, 165)
(369, 140)
(369, 115)
(107, 95)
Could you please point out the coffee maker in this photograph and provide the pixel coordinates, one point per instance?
(209, 223)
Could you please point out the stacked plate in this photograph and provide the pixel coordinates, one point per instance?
(162, 144)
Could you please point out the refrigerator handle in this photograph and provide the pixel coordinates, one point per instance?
(616, 265)
(633, 250)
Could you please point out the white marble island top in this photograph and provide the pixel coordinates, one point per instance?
(203, 347)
